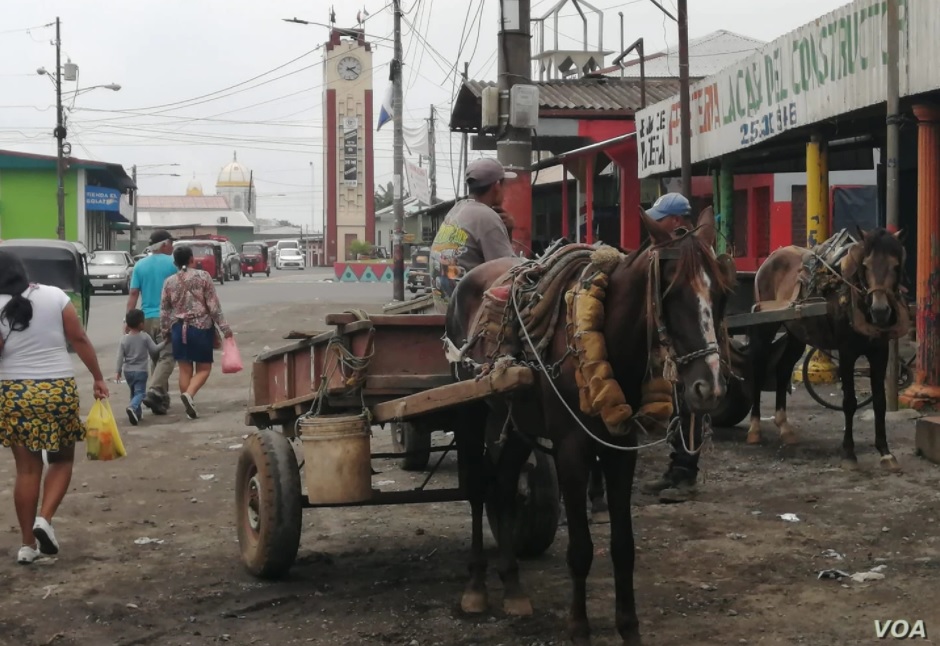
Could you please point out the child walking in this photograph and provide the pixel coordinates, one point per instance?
(134, 353)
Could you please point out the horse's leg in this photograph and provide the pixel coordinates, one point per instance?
(473, 476)
(791, 354)
(758, 348)
(847, 359)
(878, 361)
(512, 458)
(574, 459)
(596, 490)
(619, 468)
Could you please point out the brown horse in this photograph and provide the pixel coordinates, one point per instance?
(690, 298)
(865, 312)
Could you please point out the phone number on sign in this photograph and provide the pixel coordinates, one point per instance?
(768, 125)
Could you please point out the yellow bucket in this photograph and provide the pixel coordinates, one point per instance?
(337, 458)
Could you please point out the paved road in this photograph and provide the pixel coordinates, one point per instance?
(107, 310)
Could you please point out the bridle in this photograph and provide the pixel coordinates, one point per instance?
(655, 296)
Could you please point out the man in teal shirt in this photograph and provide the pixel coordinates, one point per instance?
(147, 285)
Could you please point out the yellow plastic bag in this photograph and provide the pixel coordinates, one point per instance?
(102, 440)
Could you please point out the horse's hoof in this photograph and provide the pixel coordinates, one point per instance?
(753, 438)
(789, 438)
(849, 464)
(474, 602)
(890, 464)
(517, 606)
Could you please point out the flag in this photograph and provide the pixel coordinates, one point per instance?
(332, 15)
(358, 17)
(386, 111)
(365, 13)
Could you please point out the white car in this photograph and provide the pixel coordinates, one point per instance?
(289, 258)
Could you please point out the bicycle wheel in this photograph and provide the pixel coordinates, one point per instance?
(830, 395)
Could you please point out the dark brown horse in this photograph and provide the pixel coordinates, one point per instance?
(693, 287)
(865, 313)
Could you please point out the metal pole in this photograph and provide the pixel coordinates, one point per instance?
(60, 136)
(398, 257)
(432, 158)
(685, 107)
(621, 42)
(464, 141)
(313, 214)
(133, 244)
(891, 174)
(514, 145)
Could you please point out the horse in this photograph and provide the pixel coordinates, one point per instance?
(865, 312)
(681, 311)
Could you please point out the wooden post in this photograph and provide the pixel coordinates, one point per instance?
(726, 193)
(589, 199)
(565, 224)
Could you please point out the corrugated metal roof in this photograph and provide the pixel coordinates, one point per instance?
(183, 202)
(707, 55)
(601, 94)
(193, 218)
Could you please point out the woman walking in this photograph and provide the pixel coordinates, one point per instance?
(39, 408)
(189, 313)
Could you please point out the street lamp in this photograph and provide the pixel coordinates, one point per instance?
(63, 148)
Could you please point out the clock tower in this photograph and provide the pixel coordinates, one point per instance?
(348, 165)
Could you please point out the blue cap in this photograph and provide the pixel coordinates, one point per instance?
(670, 204)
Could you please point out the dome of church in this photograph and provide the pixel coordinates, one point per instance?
(234, 175)
(194, 188)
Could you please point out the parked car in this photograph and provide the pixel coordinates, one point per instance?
(231, 261)
(110, 271)
(289, 258)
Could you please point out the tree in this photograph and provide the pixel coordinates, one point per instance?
(385, 196)
(285, 223)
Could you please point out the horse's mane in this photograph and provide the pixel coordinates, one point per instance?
(694, 256)
(881, 241)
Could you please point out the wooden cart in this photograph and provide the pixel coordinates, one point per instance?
(394, 366)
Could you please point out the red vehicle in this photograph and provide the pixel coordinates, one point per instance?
(255, 259)
(207, 256)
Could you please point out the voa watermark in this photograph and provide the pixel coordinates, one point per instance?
(900, 629)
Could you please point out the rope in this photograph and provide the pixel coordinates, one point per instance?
(561, 398)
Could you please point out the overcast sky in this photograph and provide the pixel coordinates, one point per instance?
(168, 55)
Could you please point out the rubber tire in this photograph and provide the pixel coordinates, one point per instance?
(537, 518)
(734, 408)
(271, 552)
(267, 272)
(238, 275)
(406, 438)
(126, 289)
(822, 401)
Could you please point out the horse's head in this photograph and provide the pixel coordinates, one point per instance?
(692, 286)
(876, 266)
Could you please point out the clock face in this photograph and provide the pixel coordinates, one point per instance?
(349, 68)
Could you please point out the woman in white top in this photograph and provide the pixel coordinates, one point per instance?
(39, 408)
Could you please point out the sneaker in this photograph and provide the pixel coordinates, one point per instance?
(27, 555)
(42, 530)
(132, 416)
(189, 405)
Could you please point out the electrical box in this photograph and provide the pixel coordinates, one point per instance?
(70, 71)
(490, 108)
(524, 106)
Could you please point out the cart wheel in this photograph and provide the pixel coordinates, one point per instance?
(267, 502)
(407, 439)
(734, 407)
(819, 392)
(537, 515)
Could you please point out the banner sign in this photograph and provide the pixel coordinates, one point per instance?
(418, 183)
(350, 151)
(98, 198)
(830, 67)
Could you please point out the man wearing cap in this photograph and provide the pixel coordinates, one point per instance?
(147, 285)
(677, 484)
(476, 230)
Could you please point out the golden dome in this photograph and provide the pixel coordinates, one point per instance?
(234, 175)
(194, 188)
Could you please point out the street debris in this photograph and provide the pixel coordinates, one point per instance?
(863, 577)
(832, 554)
(790, 518)
(146, 540)
(833, 574)
(207, 476)
(736, 537)
(234, 447)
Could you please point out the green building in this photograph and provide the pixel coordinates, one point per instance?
(97, 211)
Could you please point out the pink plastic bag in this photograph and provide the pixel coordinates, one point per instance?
(231, 357)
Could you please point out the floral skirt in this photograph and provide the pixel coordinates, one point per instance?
(40, 415)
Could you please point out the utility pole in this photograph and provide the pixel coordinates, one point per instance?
(59, 135)
(514, 145)
(464, 143)
(684, 100)
(398, 256)
(892, 151)
(432, 157)
(133, 243)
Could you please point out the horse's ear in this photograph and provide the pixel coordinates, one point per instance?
(706, 227)
(861, 233)
(901, 235)
(658, 232)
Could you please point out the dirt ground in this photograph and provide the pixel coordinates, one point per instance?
(725, 569)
